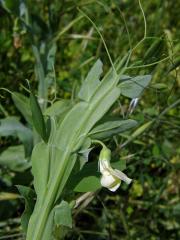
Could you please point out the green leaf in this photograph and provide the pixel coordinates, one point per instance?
(159, 86)
(58, 108)
(14, 158)
(23, 105)
(10, 126)
(48, 232)
(37, 117)
(40, 75)
(111, 128)
(48, 127)
(86, 180)
(40, 168)
(29, 195)
(91, 82)
(62, 214)
(11, 6)
(134, 87)
(50, 59)
(88, 184)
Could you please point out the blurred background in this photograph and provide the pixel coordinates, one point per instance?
(54, 36)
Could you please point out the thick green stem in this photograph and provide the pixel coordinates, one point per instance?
(49, 201)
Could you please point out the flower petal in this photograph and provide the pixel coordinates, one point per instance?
(113, 189)
(104, 165)
(120, 175)
(111, 182)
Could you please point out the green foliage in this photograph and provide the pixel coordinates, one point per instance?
(23, 105)
(133, 88)
(14, 158)
(37, 117)
(111, 128)
(28, 194)
(10, 126)
(36, 35)
(91, 82)
(62, 214)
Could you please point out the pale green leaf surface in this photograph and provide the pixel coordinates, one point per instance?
(91, 82)
(70, 125)
(62, 214)
(10, 126)
(88, 184)
(14, 158)
(40, 168)
(51, 57)
(50, 60)
(48, 232)
(134, 87)
(58, 108)
(99, 110)
(23, 105)
(39, 70)
(108, 129)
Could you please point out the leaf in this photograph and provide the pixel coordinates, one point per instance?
(62, 214)
(14, 158)
(134, 87)
(48, 127)
(40, 168)
(88, 184)
(37, 117)
(91, 82)
(86, 180)
(23, 105)
(11, 6)
(159, 86)
(29, 195)
(58, 108)
(40, 75)
(111, 128)
(85, 153)
(10, 126)
(141, 129)
(50, 59)
(48, 232)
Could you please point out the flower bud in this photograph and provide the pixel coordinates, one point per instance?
(105, 154)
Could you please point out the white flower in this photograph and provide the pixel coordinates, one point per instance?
(111, 178)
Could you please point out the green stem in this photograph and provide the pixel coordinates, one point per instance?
(99, 142)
